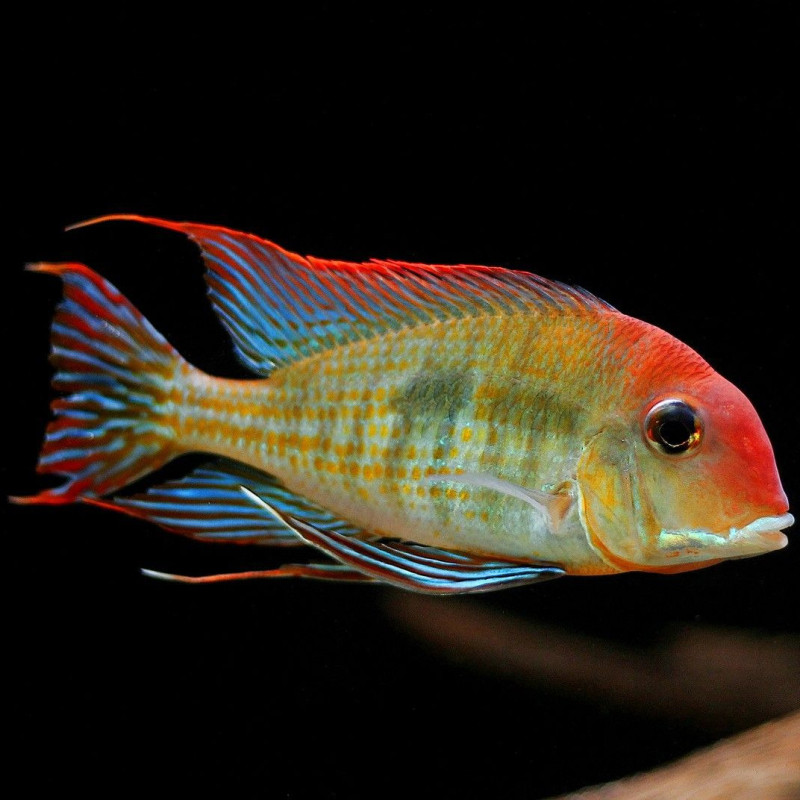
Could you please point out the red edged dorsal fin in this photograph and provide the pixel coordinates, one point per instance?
(280, 307)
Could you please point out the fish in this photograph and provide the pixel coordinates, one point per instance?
(442, 429)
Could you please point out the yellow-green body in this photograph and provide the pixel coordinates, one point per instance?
(361, 428)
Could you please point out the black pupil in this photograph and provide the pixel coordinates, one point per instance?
(676, 428)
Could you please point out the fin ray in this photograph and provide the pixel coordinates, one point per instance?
(209, 505)
(320, 572)
(412, 566)
(115, 371)
(280, 307)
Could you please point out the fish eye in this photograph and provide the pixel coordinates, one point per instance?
(672, 427)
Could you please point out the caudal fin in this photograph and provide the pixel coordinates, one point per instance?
(115, 373)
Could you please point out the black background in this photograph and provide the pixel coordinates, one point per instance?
(648, 156)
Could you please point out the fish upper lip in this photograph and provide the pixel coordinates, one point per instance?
(763, 525)
(761, 535)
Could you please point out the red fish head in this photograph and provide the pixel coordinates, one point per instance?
(682, 478)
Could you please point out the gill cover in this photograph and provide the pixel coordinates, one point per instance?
(618, 513)
(609, 497)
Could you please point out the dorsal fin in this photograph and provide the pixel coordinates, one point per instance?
(280, 307)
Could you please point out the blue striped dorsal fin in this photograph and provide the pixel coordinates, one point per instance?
(280, 307)
(208, 504)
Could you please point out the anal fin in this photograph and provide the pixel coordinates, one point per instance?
(209, 505)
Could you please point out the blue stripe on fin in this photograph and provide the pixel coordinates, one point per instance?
(280, 307)
(112, 425)
(209, 505)
(408, 565)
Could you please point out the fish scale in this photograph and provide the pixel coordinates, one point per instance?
(367, 422)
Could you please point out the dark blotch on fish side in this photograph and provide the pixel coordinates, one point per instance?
(428, 408)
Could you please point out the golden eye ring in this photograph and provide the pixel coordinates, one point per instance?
(672, 427)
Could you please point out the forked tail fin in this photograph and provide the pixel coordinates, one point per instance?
(116, 373)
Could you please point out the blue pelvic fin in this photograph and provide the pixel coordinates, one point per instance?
(280, 307)
(209, 505)
(407, 565)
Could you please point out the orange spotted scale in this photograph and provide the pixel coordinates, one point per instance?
(443, 429)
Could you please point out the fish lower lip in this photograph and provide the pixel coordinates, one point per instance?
(775, 540)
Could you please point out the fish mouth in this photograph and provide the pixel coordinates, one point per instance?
(762, 535)
(764, 532)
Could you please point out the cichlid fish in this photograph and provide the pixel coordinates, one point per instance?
(444, 429)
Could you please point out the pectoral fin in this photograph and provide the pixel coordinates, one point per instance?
(553, 506)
